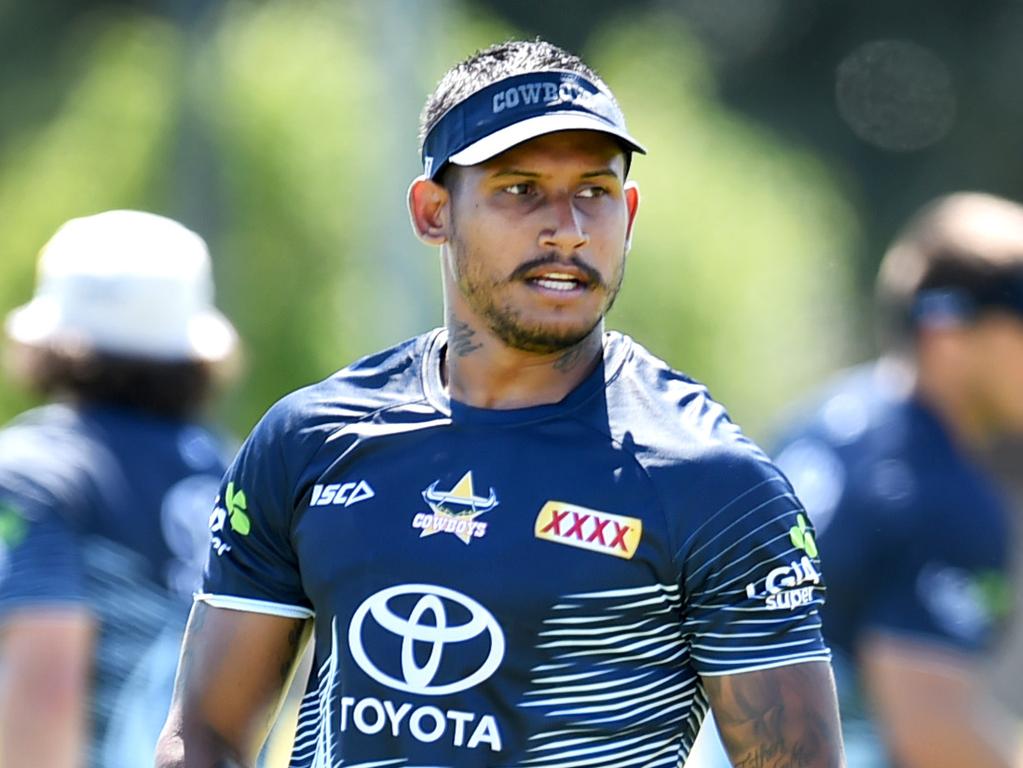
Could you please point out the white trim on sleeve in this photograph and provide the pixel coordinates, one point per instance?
(801, 659)
(254, 606)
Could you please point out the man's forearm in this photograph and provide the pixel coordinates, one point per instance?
(204, 750)
(44, 689)
(234, 667)
(779, 718)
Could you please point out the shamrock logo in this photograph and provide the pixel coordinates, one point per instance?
(802, 537)
(236, 505)
(12, 526)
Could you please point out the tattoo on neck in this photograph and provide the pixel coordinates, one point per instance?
(460, 338)
(570, 359)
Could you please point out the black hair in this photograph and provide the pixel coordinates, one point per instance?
(175, 388)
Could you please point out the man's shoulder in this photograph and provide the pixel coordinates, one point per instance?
(679, 433)
(50, 455)
(664, 409)
(52, 435)
(387, 379)
(863, 446)
(861, 408)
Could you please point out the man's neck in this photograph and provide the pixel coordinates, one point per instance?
(482, 371)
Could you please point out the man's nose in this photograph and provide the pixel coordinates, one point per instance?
(565, 232)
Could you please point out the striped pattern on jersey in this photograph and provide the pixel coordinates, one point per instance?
(742, 552)
(618, 690)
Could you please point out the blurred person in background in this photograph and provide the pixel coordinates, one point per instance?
(516, 538)
(105, 491)
(914, 533)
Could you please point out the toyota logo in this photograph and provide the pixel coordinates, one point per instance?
(433, 603)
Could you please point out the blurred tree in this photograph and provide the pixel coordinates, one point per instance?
(281, 97)
(104, 145)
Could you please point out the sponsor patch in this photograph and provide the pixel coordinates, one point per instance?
(589, 529)
(785, 586)
(237, 505)
(341, 494)
(463, 646)
(231, 511)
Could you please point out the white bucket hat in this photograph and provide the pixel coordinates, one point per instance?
(126, 283)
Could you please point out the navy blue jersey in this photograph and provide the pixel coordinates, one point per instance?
(914, 535)
(538, 586)
(107, 510)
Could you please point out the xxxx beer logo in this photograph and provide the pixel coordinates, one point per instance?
(589, 529)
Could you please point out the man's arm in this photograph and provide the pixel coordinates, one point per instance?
(932, 709)
(235, 667)
(786, 717)
(46, 656)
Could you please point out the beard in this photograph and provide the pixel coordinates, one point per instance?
(489, 299)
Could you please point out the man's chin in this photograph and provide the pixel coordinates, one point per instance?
(542, 339)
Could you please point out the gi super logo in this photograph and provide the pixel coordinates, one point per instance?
(785, 586)
(589, 529)
(455, 511)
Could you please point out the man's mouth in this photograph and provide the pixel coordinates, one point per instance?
(557, 281)
(554, 275)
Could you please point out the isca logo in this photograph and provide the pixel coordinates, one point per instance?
(340, 494)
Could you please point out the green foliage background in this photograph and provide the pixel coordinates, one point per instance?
(284, 132)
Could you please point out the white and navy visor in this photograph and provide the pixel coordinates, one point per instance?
(519, 108)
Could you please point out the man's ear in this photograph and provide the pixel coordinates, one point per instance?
(632, 204)
(428, 207)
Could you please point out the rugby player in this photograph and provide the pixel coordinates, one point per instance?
(517, 539)
(105, 491)
(914, 532)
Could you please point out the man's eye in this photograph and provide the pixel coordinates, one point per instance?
(592, 192)
(523, 188)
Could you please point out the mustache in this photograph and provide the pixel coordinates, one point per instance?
(593, 277)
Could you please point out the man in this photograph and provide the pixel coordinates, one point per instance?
(105, 492)
(521, 540)
(913, 533)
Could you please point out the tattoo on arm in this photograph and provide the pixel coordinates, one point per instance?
(460, 338)
(291, 656)
(779, 718)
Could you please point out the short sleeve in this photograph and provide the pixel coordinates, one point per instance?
(943, 578)
(43, 503)
(252, 564)
(914, 555)
(752, 575)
